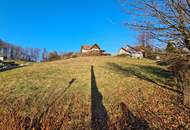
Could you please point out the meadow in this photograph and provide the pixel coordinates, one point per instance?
(90, 93)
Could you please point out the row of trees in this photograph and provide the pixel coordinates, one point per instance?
(10, 51)
(13, 52)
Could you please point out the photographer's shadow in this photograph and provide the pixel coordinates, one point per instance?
(99, 114)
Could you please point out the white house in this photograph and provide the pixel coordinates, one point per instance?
(124, 51)
(132, 52)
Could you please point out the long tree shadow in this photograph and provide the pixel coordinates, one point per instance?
(99, 119)
(136, 71)
(35, 123)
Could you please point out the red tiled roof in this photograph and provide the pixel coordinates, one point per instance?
(87, 47)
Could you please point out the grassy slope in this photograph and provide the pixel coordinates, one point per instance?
(39, 88)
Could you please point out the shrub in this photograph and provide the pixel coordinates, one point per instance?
(170, 47)
(53, 56)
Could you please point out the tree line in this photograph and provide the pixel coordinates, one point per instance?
(13, 52)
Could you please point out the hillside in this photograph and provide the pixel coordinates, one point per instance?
(117, 92)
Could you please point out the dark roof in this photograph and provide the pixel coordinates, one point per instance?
(125, 49)
(131, 49)
(95, 45)
(136, 49)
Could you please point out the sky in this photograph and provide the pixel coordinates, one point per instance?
(65, 25)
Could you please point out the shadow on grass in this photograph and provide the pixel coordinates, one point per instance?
(10, 68)
(129, 121)
(137, 70)
(35, 123)
(99, 115)
(157, 71)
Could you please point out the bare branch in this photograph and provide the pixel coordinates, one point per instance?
(165, 19)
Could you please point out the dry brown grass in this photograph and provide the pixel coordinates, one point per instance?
(58, 95)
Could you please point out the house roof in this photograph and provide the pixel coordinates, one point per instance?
(87, 47)
(95, 45)
(125, 49)
(139, 48)
(131, 49)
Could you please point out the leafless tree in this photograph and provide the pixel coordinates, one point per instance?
(44, 55)
(36, 54)
(144, 39)
(11, 51)
(166, 20)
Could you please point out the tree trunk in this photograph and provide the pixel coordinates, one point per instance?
(187, 41)
(187, 87)
(182, 74)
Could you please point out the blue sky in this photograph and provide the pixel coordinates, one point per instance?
(64, 25)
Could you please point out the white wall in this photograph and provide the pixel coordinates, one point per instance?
(94, 49)
(137, 55)
(121, 51)
(1, 58)
(85, 51)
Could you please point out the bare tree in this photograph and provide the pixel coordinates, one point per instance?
(11, 51)
(165, 19)
(36, 54)
(44, 55)
(144, 39)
